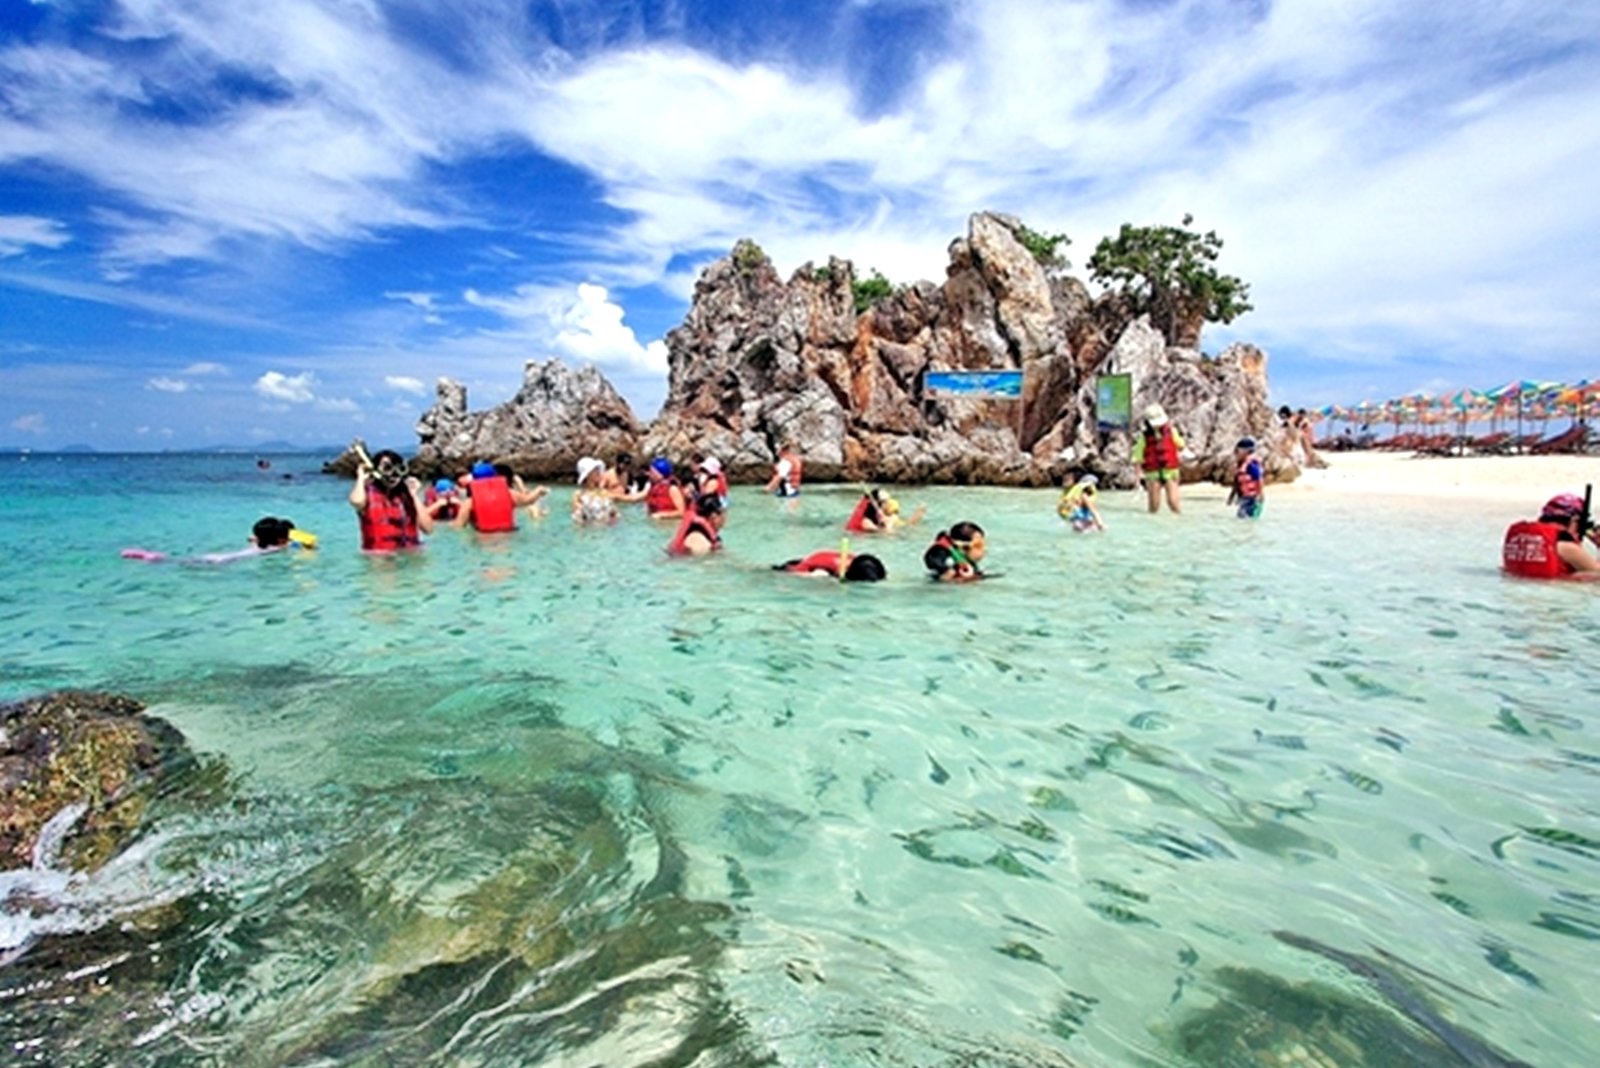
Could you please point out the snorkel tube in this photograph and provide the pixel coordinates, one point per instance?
(1584, 530)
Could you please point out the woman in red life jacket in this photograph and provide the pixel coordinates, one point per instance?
(870, 516)
(386, 503)
(663, 498)
(1552, 545)
(712, 479)
(1156, 456)
(955, 554)
(1249, 481)
(700, 530)
(857, 568)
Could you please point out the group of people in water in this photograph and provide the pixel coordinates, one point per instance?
(394, 511)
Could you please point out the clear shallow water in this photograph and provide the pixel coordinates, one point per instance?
(555, 798)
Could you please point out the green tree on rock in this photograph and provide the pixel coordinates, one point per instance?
(1167, 272)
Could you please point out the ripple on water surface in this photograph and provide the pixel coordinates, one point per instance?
(1314, 791)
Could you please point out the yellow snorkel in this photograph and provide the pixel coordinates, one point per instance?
(844, 557)
(303, 538)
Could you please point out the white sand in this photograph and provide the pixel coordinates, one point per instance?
(1517, 481)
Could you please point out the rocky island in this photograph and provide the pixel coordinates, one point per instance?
(760, 361)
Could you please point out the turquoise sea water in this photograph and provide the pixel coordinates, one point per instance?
(554, 798)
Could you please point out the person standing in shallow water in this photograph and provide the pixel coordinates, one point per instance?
(1249, 481)
(388, 507)
(787, 472)
(1156, 453)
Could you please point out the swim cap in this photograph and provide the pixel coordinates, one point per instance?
(661, 466)
(444, 485)
(1089, 480)
(1563, 506)
(1246, 443)
(483, 469)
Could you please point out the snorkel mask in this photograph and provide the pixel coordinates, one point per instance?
(389, 472)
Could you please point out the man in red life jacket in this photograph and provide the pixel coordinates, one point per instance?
(392, 515)
(1249, 481)
(1552, 545)
(1156, 456)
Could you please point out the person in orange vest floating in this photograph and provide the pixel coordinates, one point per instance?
(1156, 457)
(1249, 480)
(387, 503)
(838, 563)
(1552, 545)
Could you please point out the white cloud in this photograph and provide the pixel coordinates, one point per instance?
(591, 330)
(337, 404)
(32, 423)
(168, 385)
(19, 232)
(295, 389)
(406, 384)
(588, 329)
(205, 367)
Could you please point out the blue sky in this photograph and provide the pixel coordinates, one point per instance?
(233, 222)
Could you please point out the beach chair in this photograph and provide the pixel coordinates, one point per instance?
(1572, 439)
(1493, 444)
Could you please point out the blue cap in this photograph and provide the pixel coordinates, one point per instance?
(661, 466)
(483, 469)
(444, 485)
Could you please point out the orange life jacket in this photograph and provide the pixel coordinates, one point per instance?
(693, 521)
(449, 511)
(822, 560)
(855, 524)
(492, 509)
(1529, 551)
(658, 498)
(386, 525)
(1160, 450)
(1247, 484)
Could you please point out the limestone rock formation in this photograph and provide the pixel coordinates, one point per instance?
(759, 361)
(557, 416)
(76, 771)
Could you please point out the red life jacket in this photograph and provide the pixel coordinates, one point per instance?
(693, 521)
(492, 509)
(386, 525)
(864, 506)
(448, 512)
(1160, 450)
(822, 560)
(1529, 551)
(1247, 484)
(658, 498)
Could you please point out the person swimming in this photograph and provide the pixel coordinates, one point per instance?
(955, 554)
(863, 567)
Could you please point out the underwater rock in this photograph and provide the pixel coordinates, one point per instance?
(77, 769)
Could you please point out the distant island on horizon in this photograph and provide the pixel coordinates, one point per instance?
(265, 448)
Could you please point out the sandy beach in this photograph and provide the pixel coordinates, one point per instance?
(1514, 481)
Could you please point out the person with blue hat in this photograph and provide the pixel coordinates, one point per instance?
(443, 499)
(663, 499)
(1249, 480)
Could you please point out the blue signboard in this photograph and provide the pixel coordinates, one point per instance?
(1006, 384)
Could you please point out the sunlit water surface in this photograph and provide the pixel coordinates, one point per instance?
(556, 798)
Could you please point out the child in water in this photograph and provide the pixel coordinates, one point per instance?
(1249, 482)
(1077, 505)
(955, 554)
(857, 568)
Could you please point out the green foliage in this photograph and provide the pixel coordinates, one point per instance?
(870, 290)
(1167, 272)
(747, 256)
(1044, 247)
(822, 274)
